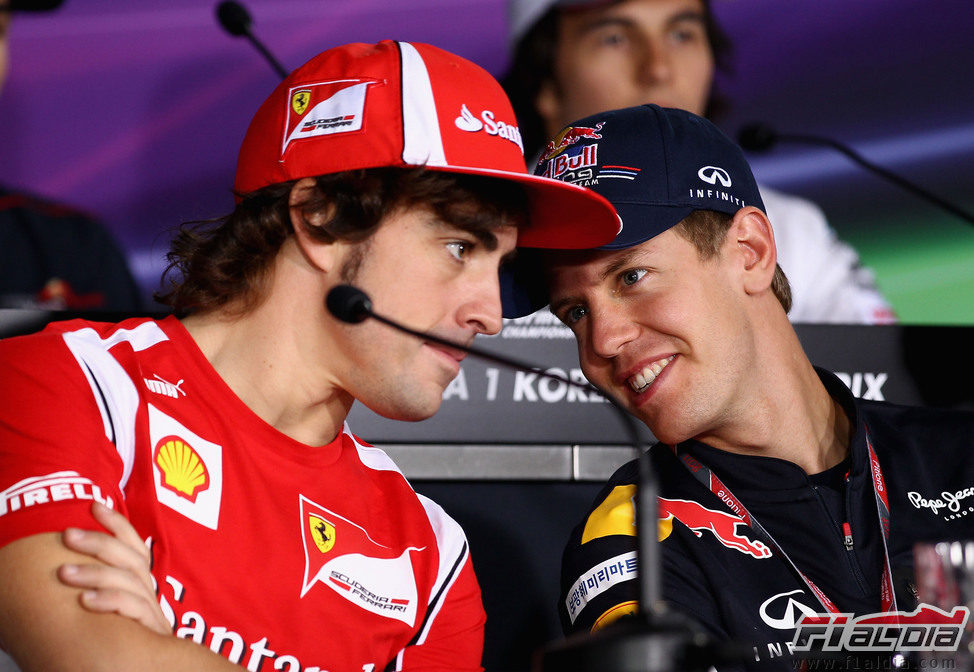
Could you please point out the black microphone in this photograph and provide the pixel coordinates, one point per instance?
(351, 305)
(30, 6)
(760, 137)
(236, 20)
(654, 630)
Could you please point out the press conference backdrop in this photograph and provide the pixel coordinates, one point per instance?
(135, 110)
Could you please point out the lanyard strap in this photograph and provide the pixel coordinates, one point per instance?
(709, 479)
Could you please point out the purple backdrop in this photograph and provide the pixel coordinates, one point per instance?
(134, 111)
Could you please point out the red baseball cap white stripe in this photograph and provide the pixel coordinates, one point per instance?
(409, 104)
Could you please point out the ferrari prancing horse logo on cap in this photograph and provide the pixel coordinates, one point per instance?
(325, 108)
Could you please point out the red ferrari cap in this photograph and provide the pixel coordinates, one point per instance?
(409, 104)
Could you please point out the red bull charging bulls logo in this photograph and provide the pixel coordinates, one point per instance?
(725, 526)
(569, 137)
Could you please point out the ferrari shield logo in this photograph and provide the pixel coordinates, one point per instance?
(322, 532)
(299, 100)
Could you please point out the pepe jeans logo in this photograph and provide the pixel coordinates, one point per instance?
(950, 503)
(713, 174)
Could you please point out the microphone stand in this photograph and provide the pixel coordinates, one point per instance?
(236, 20)
(656, 640)
(758, 137)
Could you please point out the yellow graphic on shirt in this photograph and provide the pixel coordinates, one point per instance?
(613, 614)
(183, 469)
(617, 515)
(299, 101)
(322, 532)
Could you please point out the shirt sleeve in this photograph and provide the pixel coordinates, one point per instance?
(600, 580)
(451, 636)
(55, 455)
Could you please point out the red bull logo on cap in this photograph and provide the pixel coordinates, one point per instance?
(569, 137)
(725, 526)
(587, 157)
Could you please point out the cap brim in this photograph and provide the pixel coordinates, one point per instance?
(562, 216)
(524, 288)
(653, 220)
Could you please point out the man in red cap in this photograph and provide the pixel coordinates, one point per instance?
(276, 538)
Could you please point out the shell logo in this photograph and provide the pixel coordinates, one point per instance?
(183, 469)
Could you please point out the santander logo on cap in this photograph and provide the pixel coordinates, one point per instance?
(489, 124)
(466, 121)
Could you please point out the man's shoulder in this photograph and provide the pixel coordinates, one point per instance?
(396, 487)
(899, 424)
(51, 338)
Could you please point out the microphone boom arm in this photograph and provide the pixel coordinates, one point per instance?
(351, 305)
(879, 170)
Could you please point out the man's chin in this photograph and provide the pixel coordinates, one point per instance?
(414, 410)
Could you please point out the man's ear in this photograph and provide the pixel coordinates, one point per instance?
(753, 238)
(317, 251)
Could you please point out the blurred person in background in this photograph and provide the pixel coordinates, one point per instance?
(573, 58)
(51, 255)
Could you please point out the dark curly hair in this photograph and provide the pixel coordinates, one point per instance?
(224, 262)
(533, 64)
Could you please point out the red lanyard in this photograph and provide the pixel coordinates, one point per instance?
(709, 479)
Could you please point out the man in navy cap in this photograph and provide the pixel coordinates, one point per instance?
(782, 495)
(573, 58)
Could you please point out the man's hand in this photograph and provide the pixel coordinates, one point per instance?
(123, 584)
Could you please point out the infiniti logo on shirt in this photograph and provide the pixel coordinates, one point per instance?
(786, 609)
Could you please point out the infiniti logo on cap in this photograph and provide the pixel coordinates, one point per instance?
(710, 175)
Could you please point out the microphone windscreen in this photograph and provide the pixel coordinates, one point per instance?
(757, 137)
(348, 304)
(234, 17)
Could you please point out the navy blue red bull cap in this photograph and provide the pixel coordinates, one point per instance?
(655, 165)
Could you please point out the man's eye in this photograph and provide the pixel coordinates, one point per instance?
(632, 276)
(612, 39)
(459, 249)
(574, 314)
(688, 34)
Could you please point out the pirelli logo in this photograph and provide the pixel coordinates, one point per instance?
(56, 487)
